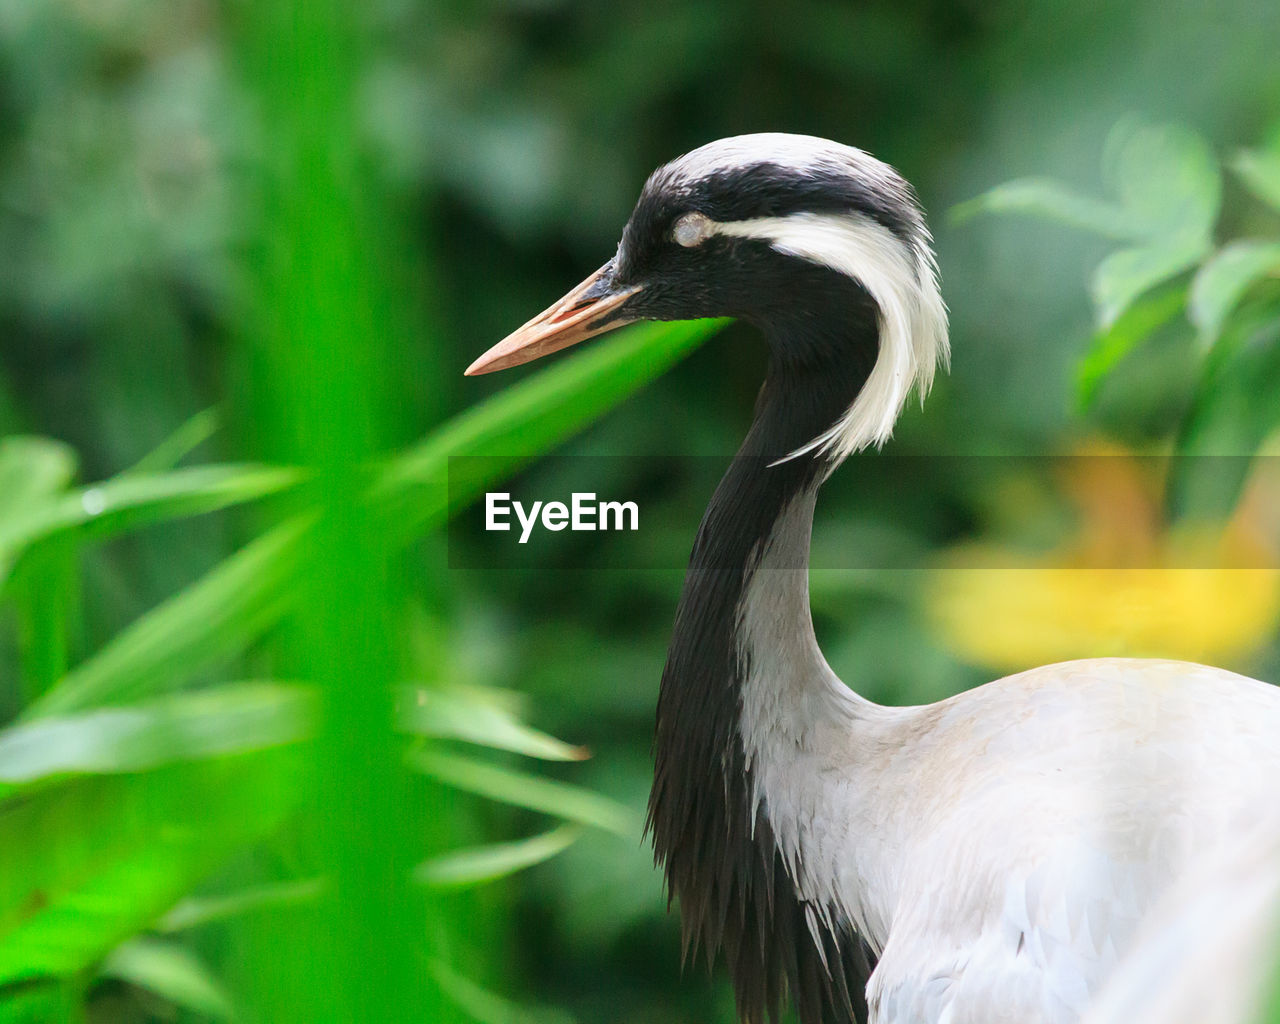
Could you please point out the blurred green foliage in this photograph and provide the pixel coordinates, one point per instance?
(265, 757)
(1168, 188)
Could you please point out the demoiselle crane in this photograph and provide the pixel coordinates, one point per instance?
(981, 860)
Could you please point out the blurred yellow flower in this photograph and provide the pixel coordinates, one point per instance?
(1121, 584)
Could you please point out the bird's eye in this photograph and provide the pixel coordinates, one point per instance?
(692, 229)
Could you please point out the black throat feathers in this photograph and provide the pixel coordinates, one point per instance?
(717, 850)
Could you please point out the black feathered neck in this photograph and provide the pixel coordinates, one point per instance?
(717, 851)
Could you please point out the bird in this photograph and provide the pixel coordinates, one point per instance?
(1206, 954)
(985, 859)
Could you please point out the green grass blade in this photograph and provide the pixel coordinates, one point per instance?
(172, 972)
(201, 910)
(234, 718)
(215, 617)
(520, 789)
(485, 1007)
(127, 501)
(230, 607)
(458, 714)
(87, 864)
(59, 1000)
(532, 417)
(45, 591)
(497, 860)
(32, 469)
(521, 423)
(178, 445)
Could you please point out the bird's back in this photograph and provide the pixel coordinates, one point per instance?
(1042, 816)
(1207, 953)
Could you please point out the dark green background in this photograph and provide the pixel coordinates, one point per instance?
(313, 221)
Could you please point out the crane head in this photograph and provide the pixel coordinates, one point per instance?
(819, 244)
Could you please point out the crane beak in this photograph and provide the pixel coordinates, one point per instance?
(590, 309)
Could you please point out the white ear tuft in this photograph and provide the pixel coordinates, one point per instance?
(902, 278)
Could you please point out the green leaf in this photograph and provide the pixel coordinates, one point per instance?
(233, 718)
(42, 537)
(200, 910)
(1260, 171)
(1166, 177)
(1232, 413)
(214, 617)
(548, 796)
(1128, 273)
(1168, 189)
(87, 864)
(172, 972)
(530, 418)
(488, 863)
(129, 500)
(1054, 201)
(59, 1000)
(44, 588)
(178, 445)
(484, 1007)
(42, 581)
(1223, 281)
(32, 469)
(1111, 344)
(468, 714)
(236, 602)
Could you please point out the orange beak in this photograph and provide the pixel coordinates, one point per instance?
(582, 314)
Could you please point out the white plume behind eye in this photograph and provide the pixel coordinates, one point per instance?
(902, 278)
